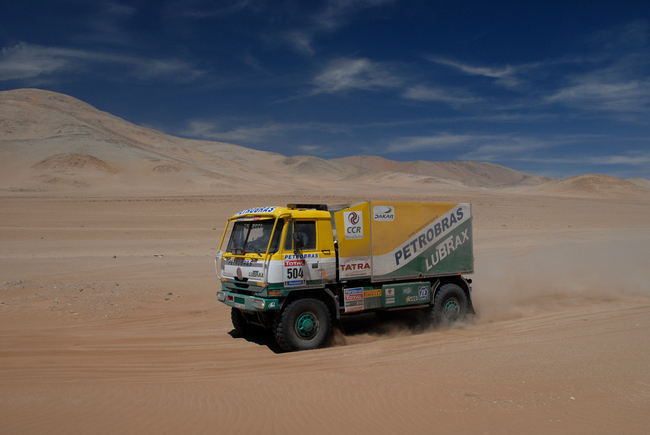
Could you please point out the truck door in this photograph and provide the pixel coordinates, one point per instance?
(301, 255)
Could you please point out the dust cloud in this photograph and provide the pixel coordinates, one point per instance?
(560, 270)
(554, 272)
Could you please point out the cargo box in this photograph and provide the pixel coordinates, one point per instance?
(386, 240)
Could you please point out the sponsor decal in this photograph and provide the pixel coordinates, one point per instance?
(355, 266)
(232, 262)
(292, 283)
(353, 223)
(390, 292)
(353, 298)
(271, 305)
(423, 293)
(372, 293)
(445, 248)
(407, 290)
(390, 301)
(412, 299)
(255, 274)
(293, 263)
(427, 236)
(354, 294)
(300, 256)
(257, 210)
(383, 213)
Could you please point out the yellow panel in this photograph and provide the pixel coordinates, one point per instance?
(353, 230)
(393, 223)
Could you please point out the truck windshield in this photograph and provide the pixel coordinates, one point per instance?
(254, 236)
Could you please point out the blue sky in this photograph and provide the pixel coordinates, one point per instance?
(553, 88)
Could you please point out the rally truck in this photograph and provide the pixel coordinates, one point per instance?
(297, 270)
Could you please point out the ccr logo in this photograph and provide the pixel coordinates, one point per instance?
(353, 224)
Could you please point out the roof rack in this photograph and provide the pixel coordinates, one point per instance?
(322, 207)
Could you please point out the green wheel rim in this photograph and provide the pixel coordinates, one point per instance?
(451, 309)
(307, 325)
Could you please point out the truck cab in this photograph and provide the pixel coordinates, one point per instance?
(273, 250)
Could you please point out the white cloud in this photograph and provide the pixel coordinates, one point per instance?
(505, 76)
(635, 159)
(301, 42)
(426, 93)
(345, 74)
(484, 147)
(595, 93)
(28, 61)
(214, 130)
(496, 148)
(106, 25)
(477, 71)
(336, 14)
(434, 142)
(339, 12)
(210, 9)
(226, 131)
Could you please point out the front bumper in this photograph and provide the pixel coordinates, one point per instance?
(248, 303)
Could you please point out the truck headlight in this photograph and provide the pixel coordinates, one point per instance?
(221, 296)
(259, 304)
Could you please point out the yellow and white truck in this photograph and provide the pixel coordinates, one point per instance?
(297, 269)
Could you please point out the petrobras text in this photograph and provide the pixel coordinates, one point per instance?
(434, 231)
(300, 256)
(257, 210)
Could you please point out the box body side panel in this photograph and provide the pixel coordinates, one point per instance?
(353, 231)
(421, 240)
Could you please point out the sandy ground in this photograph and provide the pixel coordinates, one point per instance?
(109, 324)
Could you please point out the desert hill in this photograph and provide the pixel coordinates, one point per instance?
(470, 173)
(591, 185)
(50, 142)
(640, 182)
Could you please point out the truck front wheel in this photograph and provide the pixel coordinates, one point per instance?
(242, 326)
(304, 324)
(449, 306)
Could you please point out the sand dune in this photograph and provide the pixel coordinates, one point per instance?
(475, 174)
(109, 321)
(640, 182)
(592, 185)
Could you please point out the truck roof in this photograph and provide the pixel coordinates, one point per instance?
(295, 210)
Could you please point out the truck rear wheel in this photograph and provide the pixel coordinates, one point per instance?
(449, 306)
(304, 324)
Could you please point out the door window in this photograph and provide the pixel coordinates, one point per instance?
(305, 239)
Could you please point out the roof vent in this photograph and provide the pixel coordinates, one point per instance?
(322, 207)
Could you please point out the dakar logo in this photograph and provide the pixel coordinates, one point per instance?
(383, 213)
(353, 217)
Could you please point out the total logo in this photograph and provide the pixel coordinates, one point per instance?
(383, 213)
